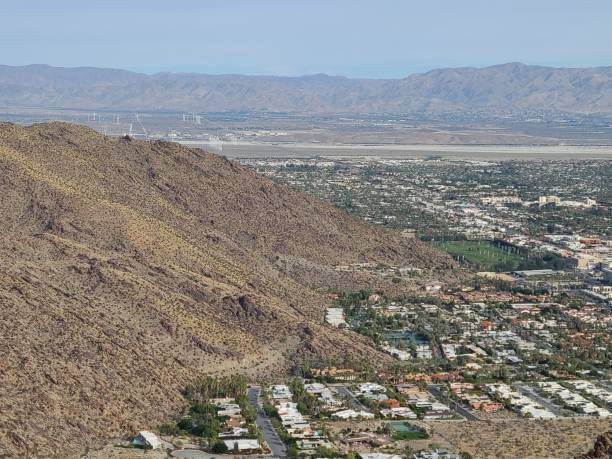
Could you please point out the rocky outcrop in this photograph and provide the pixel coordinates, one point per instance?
(602, 448)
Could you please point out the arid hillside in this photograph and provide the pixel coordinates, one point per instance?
(130, 268)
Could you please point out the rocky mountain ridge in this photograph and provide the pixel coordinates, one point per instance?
(499, 89)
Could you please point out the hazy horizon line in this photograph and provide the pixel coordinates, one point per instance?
(304, 75)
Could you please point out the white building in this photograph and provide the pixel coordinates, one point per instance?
(335, 317)
(242, 444)
(379, 456)
(400, 412)
(147, 439)
(397, 353)
(280, 392)
(543, 200)
(352, 414)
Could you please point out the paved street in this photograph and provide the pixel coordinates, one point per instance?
(355, 403)
(546, 403)
(263, 422)
(467, 414)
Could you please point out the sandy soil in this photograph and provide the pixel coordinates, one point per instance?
(560, 438)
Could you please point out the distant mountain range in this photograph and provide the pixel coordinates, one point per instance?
(497, 89)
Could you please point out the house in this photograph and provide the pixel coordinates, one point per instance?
(436, 454)
(389, 403)
(293, 421)
(397, 353)
(489, 407)
(377, 397)
(370, 387)
(335, 317)
(280, 392)
(484, 404)
(236, 432)
(218, 402)
(229, 409)
(380, 456)
(454, 376)
(352, 414)
(243, 445)
(234, 421)
(436, 410)
(401, 412)
(312, 443)
(147, 439)
(336, 374)
(323, 393)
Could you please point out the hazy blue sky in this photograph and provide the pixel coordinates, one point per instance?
(378, 38)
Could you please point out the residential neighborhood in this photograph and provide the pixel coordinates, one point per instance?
(519, 331)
